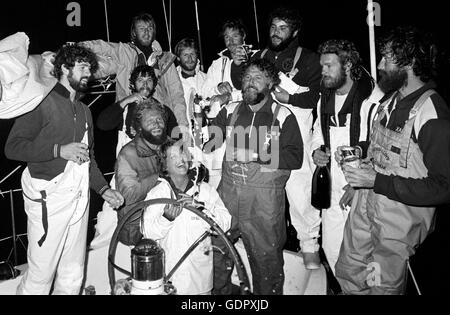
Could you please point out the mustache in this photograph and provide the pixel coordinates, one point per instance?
(275, 36)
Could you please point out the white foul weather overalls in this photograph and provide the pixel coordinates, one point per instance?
(381, 234)
(195, 274)
(57, 230)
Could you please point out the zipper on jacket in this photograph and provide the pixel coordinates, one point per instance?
(251, 127)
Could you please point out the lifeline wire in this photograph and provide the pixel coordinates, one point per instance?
(256, 21)
(107, 22)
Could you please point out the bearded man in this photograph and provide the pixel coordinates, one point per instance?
(57, 141)
(263, 145)
(301, 67)
(138, 163)
(406, 172)
(346, 100)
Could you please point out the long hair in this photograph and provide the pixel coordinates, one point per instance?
(346, 52)
(144, 17)
(409, 46)
(67, 55)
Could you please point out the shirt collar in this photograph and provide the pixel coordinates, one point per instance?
(413, 97)
(61, 90)
(267, 107)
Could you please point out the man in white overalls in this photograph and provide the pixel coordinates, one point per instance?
(56, 140)
(405, 175)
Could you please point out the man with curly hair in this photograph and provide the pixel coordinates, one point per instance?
(263, 145)
(299, 66)
(345, 101)
(57, 142)
(406, 173)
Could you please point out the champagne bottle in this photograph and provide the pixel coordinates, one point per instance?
(198, 121)
(321, 186)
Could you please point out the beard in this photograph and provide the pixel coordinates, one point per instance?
(78, 85)
(188, 67)
(392, 80)
(337, 82)
(144, 91)
(282, 45)
(156, 140)
(251, 96)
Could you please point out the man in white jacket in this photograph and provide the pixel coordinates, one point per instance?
(346, 101)
(177, 229)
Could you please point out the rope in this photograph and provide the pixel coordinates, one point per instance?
(10, 174)
(169, 35)
(107, 21)
(256, 21)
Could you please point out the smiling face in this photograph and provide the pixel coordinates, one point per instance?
(144, 85)
(176, 161)
(281, 34)
(78, 76)
(256, 85)
(153, 127)
(188, 58)
(144, 33)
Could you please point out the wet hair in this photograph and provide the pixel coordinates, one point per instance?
(266, 66)
(142, 71)
(143, 107)
(67, 55)
(410, 46)
(235, 24)
(290, 15)
(144, 17)
(185, 43)
(347, 53)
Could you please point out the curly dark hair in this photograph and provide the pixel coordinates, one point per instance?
(144, 17)
(185, 43)
(148, 104)
(67, 55)
(235, 24)
(143, 71)
(410, 46)
(290, 15)
(265, 66)
(347, 53)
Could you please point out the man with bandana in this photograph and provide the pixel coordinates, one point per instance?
(302, 68)
(406, 172)
(263, 145)
(57, 141)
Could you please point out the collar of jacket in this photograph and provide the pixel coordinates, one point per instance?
(411, 99)
(143, 150)
(290, 49)
(267, 107)
(64, 92)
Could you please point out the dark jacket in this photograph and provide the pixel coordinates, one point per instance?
(37, 137)
(309, 72)
(137, 171)
(290, 139)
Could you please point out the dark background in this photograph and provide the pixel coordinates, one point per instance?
(45, 23)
